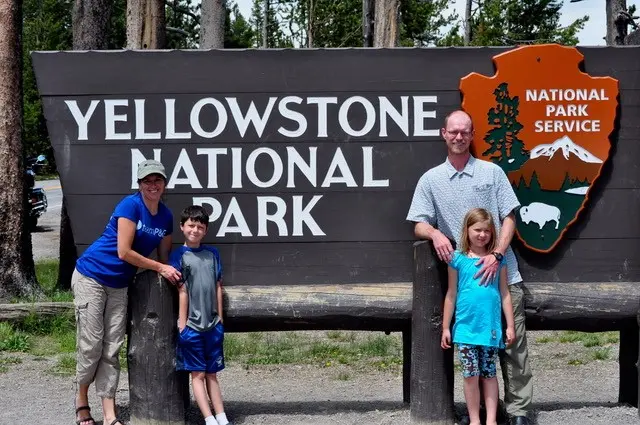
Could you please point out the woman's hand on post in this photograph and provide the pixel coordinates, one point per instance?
(445, 342)
(169, 273)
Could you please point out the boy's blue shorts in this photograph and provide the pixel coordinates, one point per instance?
(200, 351)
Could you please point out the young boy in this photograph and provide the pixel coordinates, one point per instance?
(199, 347)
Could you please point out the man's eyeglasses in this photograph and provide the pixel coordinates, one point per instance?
(464, 134)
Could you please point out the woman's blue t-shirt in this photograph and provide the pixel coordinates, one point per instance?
(478, 315)
(100, 261)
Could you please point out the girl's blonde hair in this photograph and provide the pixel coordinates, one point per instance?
(474, 216)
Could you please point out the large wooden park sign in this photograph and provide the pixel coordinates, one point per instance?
(307, 161)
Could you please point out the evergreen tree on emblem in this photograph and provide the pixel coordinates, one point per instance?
(505, 149)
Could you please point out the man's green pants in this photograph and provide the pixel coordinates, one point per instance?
(514, 361)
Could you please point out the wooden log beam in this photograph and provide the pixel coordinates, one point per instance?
(385, 307)
(590, 306)
(19, 311)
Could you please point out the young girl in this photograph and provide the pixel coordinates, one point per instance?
(478, 328)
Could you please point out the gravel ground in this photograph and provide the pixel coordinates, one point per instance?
(583, 394)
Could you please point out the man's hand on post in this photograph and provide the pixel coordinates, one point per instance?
(489, 269)
(442, 245)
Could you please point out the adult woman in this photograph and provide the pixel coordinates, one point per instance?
(139, 224)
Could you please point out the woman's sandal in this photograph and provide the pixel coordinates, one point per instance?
(117, 421)
(87, 419)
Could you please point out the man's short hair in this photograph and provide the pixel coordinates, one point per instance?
(446, 119)
(195, 213)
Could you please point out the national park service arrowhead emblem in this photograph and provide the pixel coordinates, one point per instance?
(547, 125)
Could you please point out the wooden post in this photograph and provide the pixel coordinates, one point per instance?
(431, 367)
(406, 365)
(156, 389)
(638, 362)
(628, 389)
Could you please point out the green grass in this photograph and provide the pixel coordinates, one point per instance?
(592, 340)
(47, 176)
(9, 360)
(587, 339)
(575, 362)
(12, 339)
(601, 354)
(47, 275)
(65, 366)
(267, 348)
(570, 336)
(343, 376)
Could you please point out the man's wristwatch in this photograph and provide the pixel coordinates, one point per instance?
(498, 256)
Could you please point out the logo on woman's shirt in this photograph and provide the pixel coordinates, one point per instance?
(153, 231)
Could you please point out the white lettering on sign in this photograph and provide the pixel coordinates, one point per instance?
(240, 163)
(269, 188)
(270, 209)
(272, 171)
(573, 105)
(111, 118)
(289, 116)
(82, 120)
(565, 95)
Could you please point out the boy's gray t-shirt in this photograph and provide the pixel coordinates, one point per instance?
(201, 270)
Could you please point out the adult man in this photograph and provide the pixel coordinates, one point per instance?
(442, 197)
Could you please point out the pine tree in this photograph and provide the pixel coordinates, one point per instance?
(512, 22)
(566, 184)
(505, 149)
(534, 185)
(522, 184)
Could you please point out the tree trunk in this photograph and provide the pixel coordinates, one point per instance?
(90, 22)
(310, 25)
(18, 276)
(265, 25)
(212, 24)
(146, 24)
(385, 27)
(467, 22)
(616, 23)
(367, 23)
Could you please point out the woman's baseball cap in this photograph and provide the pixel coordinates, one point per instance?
(150, 166)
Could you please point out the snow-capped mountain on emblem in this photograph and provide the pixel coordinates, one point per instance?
(557, 164)
(568, 147)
